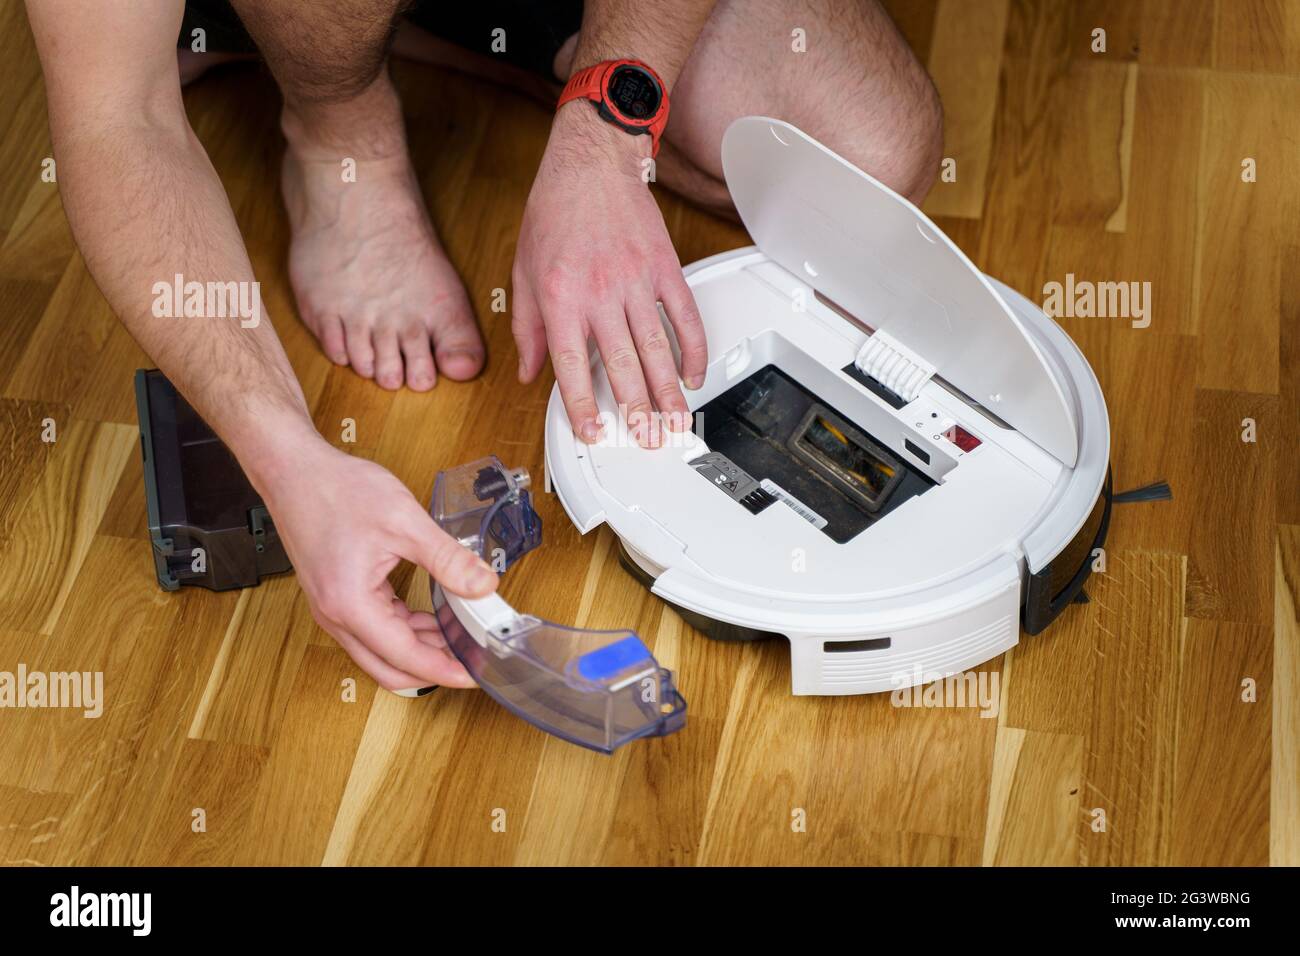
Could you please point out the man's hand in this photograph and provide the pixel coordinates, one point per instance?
(125, 153)
(593, 258)
(346, 523)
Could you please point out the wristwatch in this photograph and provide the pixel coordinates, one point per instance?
(627, 93)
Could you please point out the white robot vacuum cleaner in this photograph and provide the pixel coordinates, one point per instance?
(896, 463)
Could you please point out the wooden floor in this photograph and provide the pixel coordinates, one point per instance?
(1123, 165)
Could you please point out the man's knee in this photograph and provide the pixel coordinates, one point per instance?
(900, 143)
(324, 53)
(921, 144)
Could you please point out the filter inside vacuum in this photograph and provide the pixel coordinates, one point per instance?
(773, 440)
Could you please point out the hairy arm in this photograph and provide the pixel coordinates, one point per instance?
(594, 255)
(145, 204)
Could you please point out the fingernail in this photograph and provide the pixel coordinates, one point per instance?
(590, 432)
(482, 576)
(648, 436)
(677, 421)
(695, 381)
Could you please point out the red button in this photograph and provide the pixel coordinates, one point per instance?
(962, 438)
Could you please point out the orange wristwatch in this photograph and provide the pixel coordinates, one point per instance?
(627, 93)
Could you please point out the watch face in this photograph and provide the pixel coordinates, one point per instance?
(634, 93)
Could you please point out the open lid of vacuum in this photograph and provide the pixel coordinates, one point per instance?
(879, 258)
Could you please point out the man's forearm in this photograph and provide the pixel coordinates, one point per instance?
(590, 198)
(661, 35)
(146, 206)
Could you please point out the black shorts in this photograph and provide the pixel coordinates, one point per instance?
(535, 29)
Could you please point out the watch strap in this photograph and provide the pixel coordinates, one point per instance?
(589, 83)
(585, 84)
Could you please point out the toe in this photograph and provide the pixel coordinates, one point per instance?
(458, 346)
(460, 364)
(418, 354)
(361, 353)
(388, 358)
(332, 340)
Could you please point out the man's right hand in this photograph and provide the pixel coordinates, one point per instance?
(125, 151)
(346, 523)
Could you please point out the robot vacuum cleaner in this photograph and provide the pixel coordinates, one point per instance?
(897, 463)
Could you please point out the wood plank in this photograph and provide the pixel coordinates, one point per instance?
(39, 244)
(64, 347)
(493, 784)
(1161, 224)
(1051, 676)
(32, 736)
(850, 737)
(114, 630)
(1221, 782)
(965, 59)
(1227, 577)
(754, 793)
(126, 515)
(151, 648)
(1257, 36)
(159, 799)
(1150, 440)
(205, 806)
(1034, 805)
(25, 140)
(42, 556)
(1031, 111)
(1129, 765)
(247, 691)
(24, 454)
(1091, 163)
(392, 812)
(30, 822)
(108, 394)
(1177, 33)
(22, 303)
(307, 771)
(1244, 226)
(1122, 21)
(350, 407)
(1162, 227)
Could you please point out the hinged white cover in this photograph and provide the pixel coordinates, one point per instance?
(878, 257)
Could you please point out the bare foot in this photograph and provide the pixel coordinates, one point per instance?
(371, 279)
